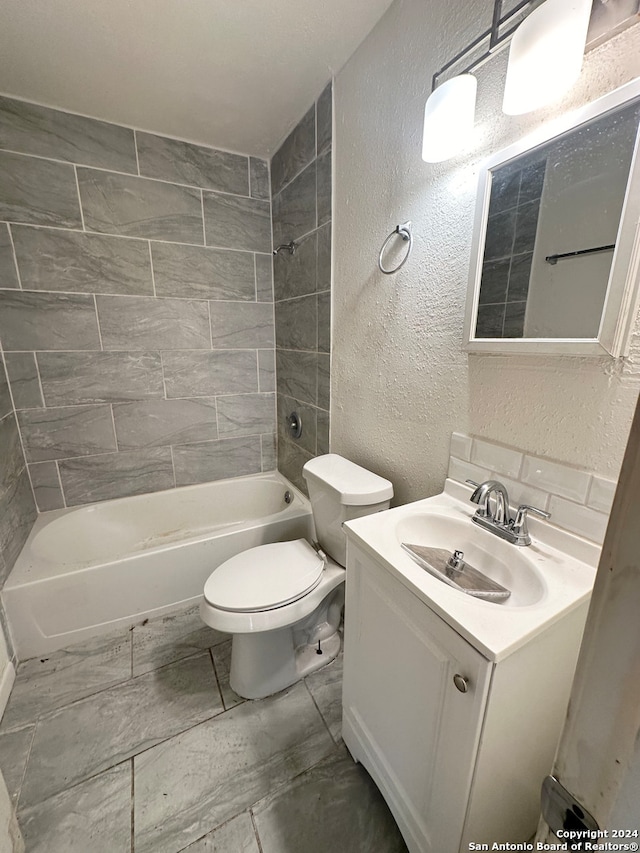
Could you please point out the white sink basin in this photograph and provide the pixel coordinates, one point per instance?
(504, 563)
(549, 578)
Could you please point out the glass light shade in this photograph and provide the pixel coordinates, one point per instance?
(448, 118)
(545, 56)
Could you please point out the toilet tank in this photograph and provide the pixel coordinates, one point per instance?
(339, 491)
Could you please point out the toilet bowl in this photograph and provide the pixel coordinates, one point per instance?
(283, 602)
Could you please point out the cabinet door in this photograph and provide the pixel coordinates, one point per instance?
(404, 718)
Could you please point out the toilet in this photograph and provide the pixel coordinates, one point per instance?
(283, 602)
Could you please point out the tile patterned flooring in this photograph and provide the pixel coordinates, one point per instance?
(136, 743)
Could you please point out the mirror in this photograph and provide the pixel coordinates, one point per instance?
(555, 236)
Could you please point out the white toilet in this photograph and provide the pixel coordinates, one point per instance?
(283, 602)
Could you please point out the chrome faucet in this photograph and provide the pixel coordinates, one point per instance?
(513, 530)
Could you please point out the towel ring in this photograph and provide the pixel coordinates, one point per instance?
(403, 231)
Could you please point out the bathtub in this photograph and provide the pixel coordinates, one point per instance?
(88, 570)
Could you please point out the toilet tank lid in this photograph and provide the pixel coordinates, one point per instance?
(356, 485)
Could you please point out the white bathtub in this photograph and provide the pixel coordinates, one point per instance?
(88, 570)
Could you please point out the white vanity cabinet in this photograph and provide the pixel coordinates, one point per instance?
(457, 743)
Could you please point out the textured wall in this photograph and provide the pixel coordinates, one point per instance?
(136, 307)
(301, 184)
(401, 382)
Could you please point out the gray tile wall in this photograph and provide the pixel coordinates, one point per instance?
(17, 507)
(301, 185)
(136, 314)
(508, 252)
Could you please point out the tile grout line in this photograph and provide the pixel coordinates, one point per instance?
(72, 164)
(317, 707)
(133, 806)
(153, 273)
(18, 428)
(75, 172)
(255, 829)
(217, 678)
(115, 235)
(64, 498)
(15, 256)
(135, 148)
(26, 764)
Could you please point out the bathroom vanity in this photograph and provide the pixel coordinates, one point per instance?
(455, 705)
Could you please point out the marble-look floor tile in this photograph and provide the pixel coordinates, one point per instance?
(325, 686)
(47, 683)
(163, 641)
(333, 806)
(92, 816)
(216, 770)
(14, 752)
(236, 836)
(96, 733)
(221, 655)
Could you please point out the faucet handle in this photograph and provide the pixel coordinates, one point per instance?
(519, 526)
(472, 483)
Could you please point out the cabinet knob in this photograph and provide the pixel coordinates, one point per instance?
(461, 683)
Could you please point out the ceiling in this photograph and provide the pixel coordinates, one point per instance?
(233, 74)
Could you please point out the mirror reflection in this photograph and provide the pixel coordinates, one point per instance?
(554, 213)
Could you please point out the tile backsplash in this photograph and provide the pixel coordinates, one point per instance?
(579, 501)
(136, 307)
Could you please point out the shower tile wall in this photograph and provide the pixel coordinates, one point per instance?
(301, 186)
(512, 225)
(17, 508)
(136, 308)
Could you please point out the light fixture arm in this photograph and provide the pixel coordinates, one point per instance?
(496, 40)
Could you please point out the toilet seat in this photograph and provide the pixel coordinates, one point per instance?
(265, 577)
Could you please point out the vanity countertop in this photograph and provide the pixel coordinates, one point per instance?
(559, 568)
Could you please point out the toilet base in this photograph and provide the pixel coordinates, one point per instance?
(269, 661)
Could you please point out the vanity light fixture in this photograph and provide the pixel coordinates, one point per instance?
(545, 55)
(448, 118)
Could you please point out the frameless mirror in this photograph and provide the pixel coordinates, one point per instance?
(555, 252)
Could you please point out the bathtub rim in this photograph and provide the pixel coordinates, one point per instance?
(30, 568)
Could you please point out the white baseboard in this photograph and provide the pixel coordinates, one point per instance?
(6, 683)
